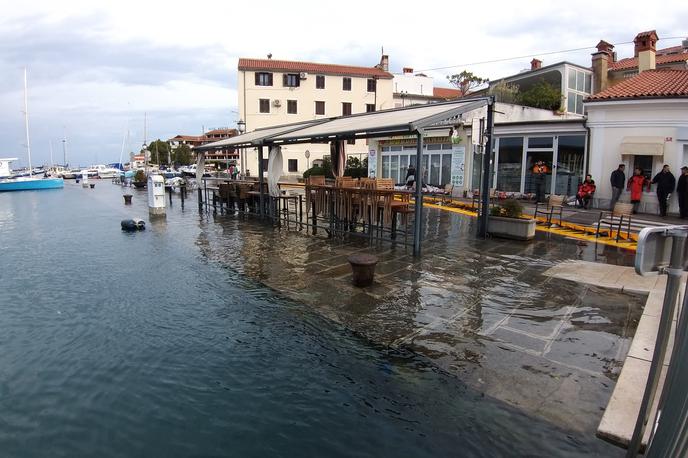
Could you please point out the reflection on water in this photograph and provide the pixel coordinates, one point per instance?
(167, 343)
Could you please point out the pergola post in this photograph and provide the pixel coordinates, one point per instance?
(260, 181)
(487, 171)
(418, 222)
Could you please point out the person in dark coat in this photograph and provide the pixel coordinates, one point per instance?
(410, 176)
(682, 192)
(666, 183)
(618, 181)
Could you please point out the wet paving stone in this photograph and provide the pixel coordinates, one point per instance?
(480, 309)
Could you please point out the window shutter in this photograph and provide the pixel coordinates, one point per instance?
(284, 80)
(269, 79)
(257, 78)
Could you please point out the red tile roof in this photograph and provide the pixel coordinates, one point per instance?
(660, 59)
(310, 67)
(446, 93)
(648, 84)
(228, 131)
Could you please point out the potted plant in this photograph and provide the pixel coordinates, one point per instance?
(140, 178)
(507, 221)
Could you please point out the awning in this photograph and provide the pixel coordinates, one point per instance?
(376, 124)
(649, 146)
(256, 137)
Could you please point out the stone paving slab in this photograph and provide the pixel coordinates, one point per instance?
(618, 421)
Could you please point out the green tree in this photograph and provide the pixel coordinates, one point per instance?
(505, 92)
(466, 81)
(181, 155)
(542, 95)
(325, 169)
(159, 151)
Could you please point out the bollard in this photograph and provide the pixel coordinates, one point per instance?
(363, 269)
(127, 199)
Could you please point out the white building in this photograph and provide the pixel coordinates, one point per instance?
(412, 89)
(523, 136)
(640, 122)
(276, 92)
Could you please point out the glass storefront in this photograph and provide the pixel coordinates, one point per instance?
(510, 160)
(436, 163)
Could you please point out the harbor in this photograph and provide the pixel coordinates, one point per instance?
(201, 311)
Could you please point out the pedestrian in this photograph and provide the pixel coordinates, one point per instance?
(585, 192)
(666, 183)
(540, 170)
(410, 176)
(682, 192)
(618, 181)
(636, 183)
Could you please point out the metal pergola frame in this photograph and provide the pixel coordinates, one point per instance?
(401, 121)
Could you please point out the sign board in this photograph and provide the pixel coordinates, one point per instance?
(372, 163)
(654, 249)
(458, 164)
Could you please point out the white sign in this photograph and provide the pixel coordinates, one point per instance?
(457, 165)
(372, 163)
(475, 131)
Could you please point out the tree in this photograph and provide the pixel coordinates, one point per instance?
(466, 81)
(181, 155)
(505, 92)
(158, 151)
(542, 95)
(325, 169)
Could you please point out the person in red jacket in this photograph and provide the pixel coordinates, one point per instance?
(636, 184)
(585, 191)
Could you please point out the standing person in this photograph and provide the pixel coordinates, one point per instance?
(618, 181)
(636, 184)
(682, 192)
(666, 183)
(410, 176)
(585, 191)
(540, 169)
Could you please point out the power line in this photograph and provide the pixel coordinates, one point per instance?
(506, 59)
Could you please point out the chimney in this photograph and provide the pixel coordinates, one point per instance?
(384, 63)
(535, 64)
(645, 50)
(600, 66)
(407, 70)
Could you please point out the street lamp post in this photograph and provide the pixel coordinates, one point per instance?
(241, 127)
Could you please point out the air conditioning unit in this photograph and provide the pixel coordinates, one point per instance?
(303, 75)
(276, 103)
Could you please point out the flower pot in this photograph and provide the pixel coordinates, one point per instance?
(363, 269)
(511, 228)
(139, 184)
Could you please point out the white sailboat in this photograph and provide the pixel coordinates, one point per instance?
(30, 182)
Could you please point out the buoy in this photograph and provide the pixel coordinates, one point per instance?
(130, 225)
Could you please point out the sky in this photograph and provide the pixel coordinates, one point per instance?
(95, 67)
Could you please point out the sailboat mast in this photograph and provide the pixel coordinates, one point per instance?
(64, 145)
(26, 122)
(50, 144)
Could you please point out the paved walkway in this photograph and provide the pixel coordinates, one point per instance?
(618, 421)
(480, 309)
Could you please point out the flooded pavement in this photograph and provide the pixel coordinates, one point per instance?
(479, 309)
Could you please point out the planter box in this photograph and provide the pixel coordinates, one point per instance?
(511, 228)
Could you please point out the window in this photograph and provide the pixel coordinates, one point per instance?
(540, 142)
(264, 105)
(370, 107)
(265, 164)
(320, 82)
(291, 107)
(320, 108)
(346, 84)
(291, 80)
(263, 79)
(293, 165)
(510, 164)
(346, 108)
(645, 163)
(372, 83)
(351, 141)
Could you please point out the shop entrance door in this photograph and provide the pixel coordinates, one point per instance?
(532, 179)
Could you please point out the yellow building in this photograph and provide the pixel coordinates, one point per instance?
(276, 92)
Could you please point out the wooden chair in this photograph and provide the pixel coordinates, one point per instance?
(555, 204)
(385, 183)
(445, 194)
(476, 198)
(622, 213)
